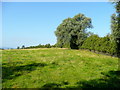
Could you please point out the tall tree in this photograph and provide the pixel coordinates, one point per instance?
(23, 47)
(115, 26)
(118, 27)
(18, 47)
(118, 30)
(72, 31)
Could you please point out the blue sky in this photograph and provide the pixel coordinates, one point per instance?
(33, 23)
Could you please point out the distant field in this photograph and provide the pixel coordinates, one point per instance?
(62, 68)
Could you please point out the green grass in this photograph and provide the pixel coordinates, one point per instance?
(63, 68)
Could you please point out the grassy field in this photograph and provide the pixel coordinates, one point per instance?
(62, 68)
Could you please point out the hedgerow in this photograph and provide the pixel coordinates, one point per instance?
(100, 44)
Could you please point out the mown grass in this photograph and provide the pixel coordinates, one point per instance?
(61, 68)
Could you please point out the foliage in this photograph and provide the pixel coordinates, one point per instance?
(23, 47)
(109, 44)
(38, 46)
(101, 44)
(115, 26)
(18, 47)
(52, 67)
(71, 33)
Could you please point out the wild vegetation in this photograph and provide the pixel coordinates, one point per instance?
(38, 46)
(115, 26)
(100, 44)
(71, 33)
(61, 68)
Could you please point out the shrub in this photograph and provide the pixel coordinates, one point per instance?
(101, 44)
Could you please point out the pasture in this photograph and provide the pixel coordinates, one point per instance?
(58, 68)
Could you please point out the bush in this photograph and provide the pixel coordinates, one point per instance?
(101, 44)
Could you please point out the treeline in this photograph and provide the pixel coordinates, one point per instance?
(100, 44)
(38, 46)
(71, 33)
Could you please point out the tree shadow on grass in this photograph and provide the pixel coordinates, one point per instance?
(51, 85)
(109, 80)
(10, 72)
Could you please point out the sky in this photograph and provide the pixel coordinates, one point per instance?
(59, 0)
(0, 24)
(34, 23)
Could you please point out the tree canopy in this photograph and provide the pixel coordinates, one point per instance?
(71, 32)
(115, 26)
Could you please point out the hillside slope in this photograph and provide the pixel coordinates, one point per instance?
(54, 67)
